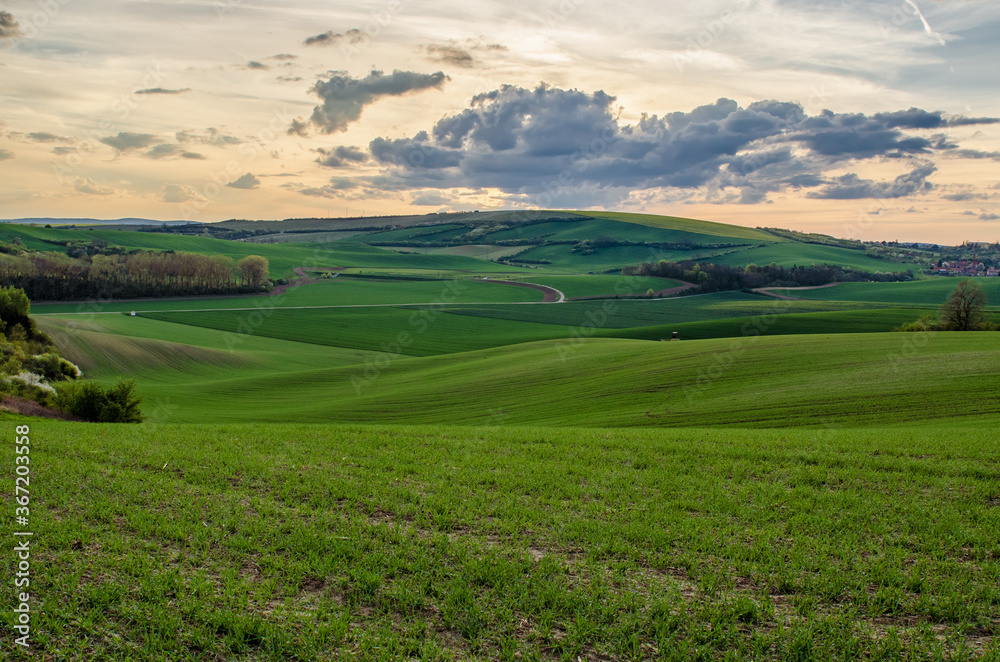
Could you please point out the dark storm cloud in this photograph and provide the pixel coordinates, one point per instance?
(341, 157)
(550, 140)
(852, 187)
(344, 97)
(126, 141)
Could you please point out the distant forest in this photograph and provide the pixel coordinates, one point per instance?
(720, 278)
(98, 271)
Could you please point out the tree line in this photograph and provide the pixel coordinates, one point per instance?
(720, 278)
(54, 276)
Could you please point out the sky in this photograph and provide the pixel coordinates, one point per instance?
(875, 119)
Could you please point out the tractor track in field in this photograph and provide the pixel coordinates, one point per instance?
(552, 295)
(767, 291)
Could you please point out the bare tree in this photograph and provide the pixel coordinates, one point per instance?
(965, 309)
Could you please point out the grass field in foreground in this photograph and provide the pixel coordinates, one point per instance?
(294, 542)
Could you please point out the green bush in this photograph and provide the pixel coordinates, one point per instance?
(87, 400)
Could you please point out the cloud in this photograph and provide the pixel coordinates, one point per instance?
(431, 200)
(88, 185)
(211, 136)
(545, 144)
(126, 141)
(247, 181)
(166, 150)
(852, 187)
(964, 196)
(459, 53)
(989, 217)
(344, 97)
(179, 193)
(9, 28)
(162, 151)
(330, 38)
(341, 157)
(160, 90)
(450, 54)
(335, 189)
(283, 57)
(6, 154)
(256, 65)
(45, 137)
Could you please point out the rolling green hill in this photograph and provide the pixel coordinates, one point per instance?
(442, 468)
(770, 381)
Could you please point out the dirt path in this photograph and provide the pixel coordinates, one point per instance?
(303, 279)
(552, 295)
(767, 291)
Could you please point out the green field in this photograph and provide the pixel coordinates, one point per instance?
(932, 291)
(340, 291)
(296, 542)
(595, 286)
(790, 254)
(282, 257)
(409, 462)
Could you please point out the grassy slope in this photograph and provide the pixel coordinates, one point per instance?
(688, 225)
(931, 291)
(749, 381)
(295, 542)
(283, 257)
(793, 253)
(588, 286)
(785, 323)
(335, 292)
(428, 331)
(621, 314)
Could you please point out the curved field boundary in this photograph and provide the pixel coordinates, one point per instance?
(661, 294)
(552, 295)
(768, 291)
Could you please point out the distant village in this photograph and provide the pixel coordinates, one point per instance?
(967, 268)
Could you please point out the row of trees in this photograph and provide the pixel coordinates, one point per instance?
(58, 276)
(719, 277)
